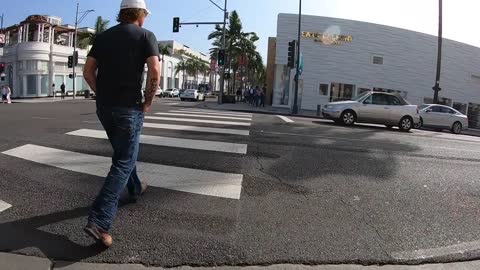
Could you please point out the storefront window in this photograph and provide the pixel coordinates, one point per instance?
(44, 84)
(340, 91)
(32, 85)
(79, 84)
(323, 89)
(461, 107)
(473, 115)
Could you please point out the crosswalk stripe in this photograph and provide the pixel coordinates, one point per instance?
(212, 113)
(206, 116)
(4, 206)
(286, 119)
(210, 183)
(215, 111)
(171, 142)
(198, 121)
(198, 129)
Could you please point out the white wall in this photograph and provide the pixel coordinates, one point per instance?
(409, 60)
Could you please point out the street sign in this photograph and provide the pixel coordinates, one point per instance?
(2, 38)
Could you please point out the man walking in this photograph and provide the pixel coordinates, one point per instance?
(4, 94)
(119, 54)
(62, 89)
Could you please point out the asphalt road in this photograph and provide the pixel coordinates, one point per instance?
(310, 192)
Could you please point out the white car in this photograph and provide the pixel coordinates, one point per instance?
(159, 92)
(376, 108)
(442, 117)
(192, 94)
(172, 92)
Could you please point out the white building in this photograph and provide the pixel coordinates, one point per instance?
(343, 58)
(170, 78)
(36, 54)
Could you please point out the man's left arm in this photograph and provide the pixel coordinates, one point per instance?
(89, 73)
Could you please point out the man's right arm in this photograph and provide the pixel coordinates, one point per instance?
(153, 80)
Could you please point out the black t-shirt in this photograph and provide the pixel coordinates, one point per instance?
(121, 53)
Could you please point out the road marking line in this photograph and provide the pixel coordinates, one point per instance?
(437, 252)
(216, 111)
(171, 142)
(92, 122)
(209, 183)
(172, 104)
(4, 206)
(43, 118)
(226, 113)
(198, 121)
(206, 116)
(198, 129)
(286, 119)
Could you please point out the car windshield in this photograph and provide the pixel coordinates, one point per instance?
(361, 96)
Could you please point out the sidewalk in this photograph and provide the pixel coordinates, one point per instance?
(46, 99)
(243, 107)
(20, 262)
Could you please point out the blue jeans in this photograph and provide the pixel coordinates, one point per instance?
(123, 127)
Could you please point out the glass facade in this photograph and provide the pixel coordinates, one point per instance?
(31, 85)
(44, 85)
(341, 91)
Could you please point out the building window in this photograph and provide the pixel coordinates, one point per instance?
(428, 100)
(363, 90)
(403, 94)
(473, 115)
(377, 60)
(31, 65)
(31, 85)
(20, 65)
(340, 91)
(44, 85)
(43, 65)
(461, 107)
(59, 66)
(323, 89)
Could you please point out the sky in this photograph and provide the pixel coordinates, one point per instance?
(461, 18)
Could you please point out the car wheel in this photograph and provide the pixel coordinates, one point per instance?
(457, 128)
(389, 126)
(406, 123)
(348, 117)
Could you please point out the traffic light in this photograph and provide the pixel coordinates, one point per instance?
(176, 24)
(70, 76)
(292, 47)
(70, 61)
(75, 58)
(2, 68)
(221, 57)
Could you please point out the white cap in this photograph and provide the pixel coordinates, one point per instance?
(134, 4)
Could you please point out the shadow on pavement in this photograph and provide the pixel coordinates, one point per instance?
(26, 233)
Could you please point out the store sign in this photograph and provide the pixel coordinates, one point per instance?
(326, 38)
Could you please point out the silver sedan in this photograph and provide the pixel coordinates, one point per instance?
(442, 117)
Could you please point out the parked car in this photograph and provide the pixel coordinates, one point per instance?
(172, 92)
(442, 117)
(376, 108)
(159, 92)
(192, 94)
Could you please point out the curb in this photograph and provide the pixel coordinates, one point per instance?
(21, 262)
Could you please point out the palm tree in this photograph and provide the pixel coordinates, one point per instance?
(86, 39)
(183, 67)
(238, 44)
(163, 50)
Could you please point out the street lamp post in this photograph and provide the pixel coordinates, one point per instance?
(222, 76)
(75, 40)
(437, 88)
(297, 73)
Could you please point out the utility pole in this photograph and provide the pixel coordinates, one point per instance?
(224, 45)
(75, 54)
(437, 88)
(297, 74)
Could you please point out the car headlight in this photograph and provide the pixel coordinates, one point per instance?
(329, 107)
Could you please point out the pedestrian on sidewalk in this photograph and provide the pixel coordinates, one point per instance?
(257, 96)
(4, 94)
(9, 94)
(245, 95)
(262, 96)
(123, 49)
(53, 90)
(62, 89)
(239, 94)
(251, 96)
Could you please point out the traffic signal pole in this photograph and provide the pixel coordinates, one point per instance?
(297, 74)
(177, 24)
(75, 53)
